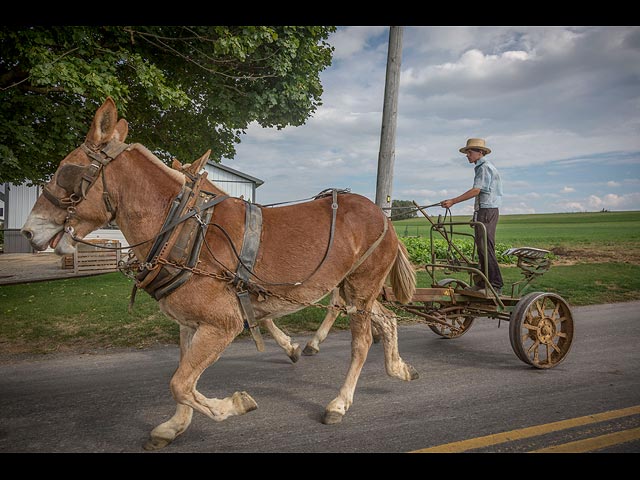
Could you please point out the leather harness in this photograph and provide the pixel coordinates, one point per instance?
(180, 247)
(182, 241)
(248, 255)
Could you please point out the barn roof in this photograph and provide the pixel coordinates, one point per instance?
(255, 180)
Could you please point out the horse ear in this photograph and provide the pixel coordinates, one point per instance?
(104, 123)
(176, 165)
(122, 129)
(199, 164)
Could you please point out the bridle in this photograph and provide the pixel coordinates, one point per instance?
(100, 158)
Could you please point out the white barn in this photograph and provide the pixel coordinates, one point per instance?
(233, 182)
(19, 199)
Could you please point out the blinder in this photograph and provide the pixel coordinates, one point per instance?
(70, 177)
(76, 180)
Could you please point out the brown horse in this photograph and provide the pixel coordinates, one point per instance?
(105, 179)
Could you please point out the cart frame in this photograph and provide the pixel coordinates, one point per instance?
(541, 326)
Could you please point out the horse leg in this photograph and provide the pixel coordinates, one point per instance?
(384, 320)
(181, 420)
(205, 346)
(282, 339)
(313, 345)
(361, 340)
(375, 333)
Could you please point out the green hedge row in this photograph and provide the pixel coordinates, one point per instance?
(419, 249)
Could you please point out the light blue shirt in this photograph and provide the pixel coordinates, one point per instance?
(487, 179)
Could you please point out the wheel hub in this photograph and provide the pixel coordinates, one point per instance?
(546, 331)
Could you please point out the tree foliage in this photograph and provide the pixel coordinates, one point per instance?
(184, 90)
(403, 209)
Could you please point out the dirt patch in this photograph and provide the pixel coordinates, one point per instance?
(601, 254)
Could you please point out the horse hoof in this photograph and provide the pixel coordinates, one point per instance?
(243, 402)
(331, 418)
(156, 443)
(309, 350)
(413, 373)
(295, 356)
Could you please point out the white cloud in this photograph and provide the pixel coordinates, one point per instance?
(352, 40)
(572, 207)
(612, 201)
(557, 105)
(471, 67)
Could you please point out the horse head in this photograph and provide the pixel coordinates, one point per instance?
(76, 200)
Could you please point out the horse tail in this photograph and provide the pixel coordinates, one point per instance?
(402, 276)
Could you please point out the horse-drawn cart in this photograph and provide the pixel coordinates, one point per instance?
(540, 323)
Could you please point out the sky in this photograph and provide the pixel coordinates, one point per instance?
(558, 106)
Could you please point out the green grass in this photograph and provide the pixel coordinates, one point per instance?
(83, 314)
(550, 230)
(89, 311)
(580, 284)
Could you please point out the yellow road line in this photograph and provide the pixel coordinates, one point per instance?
(595, 443)
(528, 432)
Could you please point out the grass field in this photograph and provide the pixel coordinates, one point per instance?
(548, 230)
(596, 262)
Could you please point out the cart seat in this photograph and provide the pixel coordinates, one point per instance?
(528, 252)
(532, 261)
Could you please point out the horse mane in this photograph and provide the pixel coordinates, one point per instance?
(179, 176)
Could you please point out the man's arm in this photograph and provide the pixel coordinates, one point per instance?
(471, 193)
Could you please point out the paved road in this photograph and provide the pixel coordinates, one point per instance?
(470, 387)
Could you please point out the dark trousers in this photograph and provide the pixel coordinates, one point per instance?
(488, 217)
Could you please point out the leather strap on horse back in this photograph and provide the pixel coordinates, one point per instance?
(373, 246)
(186, 249)
(180, 240)
(247, 260)
(250, 242)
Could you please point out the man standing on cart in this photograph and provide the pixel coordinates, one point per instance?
(487, 192)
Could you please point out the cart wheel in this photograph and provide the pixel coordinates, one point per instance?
(459, 320)
(541, 329)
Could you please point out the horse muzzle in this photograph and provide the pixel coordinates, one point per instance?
(43, 234)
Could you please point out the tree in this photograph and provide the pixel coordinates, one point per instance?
(184, 90)
(398, 213)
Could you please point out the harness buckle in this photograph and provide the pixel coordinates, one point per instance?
(199, 219)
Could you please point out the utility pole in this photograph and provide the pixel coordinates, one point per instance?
(387, 154)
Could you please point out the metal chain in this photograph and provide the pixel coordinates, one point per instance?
(131, 264)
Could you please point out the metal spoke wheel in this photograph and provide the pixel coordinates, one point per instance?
(541, 329)
(458, 319)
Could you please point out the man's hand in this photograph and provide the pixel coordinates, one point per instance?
(447, 203)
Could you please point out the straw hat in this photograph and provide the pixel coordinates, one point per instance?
(475, 143)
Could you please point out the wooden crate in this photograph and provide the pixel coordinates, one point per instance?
(67, 262)
(90, 259)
